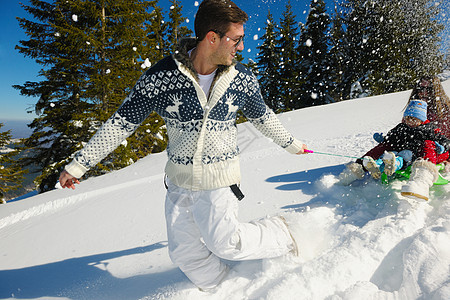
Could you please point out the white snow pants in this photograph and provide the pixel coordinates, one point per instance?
(202, 227)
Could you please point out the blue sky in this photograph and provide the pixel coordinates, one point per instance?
(17, 69)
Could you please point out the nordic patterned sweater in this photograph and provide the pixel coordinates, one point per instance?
(202, 149)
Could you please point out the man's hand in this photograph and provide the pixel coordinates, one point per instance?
(67, 181)
(302, 151)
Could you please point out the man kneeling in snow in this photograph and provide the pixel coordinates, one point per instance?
(198, 91)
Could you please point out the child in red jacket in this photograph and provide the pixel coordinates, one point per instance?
(414, 135)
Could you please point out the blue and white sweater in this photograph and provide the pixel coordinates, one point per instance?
(202, 149)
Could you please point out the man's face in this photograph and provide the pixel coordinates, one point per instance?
(424, 90)
(230, 43)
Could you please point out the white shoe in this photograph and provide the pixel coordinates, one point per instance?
(389, 161)
(423, 174)
(353, 171)
(290, 228)
(416, 191)
(372, 167)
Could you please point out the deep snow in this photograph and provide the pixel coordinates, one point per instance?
(107, 239)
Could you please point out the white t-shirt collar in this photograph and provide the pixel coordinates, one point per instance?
(205, 81)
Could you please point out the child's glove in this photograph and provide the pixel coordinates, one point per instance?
(378, 136)
(439, 148)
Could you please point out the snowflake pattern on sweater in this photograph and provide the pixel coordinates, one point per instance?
(202, 148)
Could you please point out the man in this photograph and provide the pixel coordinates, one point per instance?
(198, 91)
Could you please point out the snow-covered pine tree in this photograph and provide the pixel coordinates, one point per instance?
(407, 41)
(91, 52)
(314, 61)
(175, 31)
(11, 173)
(337, 55)
(156, 32)
(268, 66)
(424, 22)
(287, 42)
(359, 23)
(253, 66)
(389, 44)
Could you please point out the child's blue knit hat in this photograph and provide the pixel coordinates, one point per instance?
(416, 109)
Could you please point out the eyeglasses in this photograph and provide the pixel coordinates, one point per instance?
(237, 41)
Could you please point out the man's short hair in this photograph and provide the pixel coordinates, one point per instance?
(216, 15)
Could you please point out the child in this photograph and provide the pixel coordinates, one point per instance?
(414, 135)
(430, 90)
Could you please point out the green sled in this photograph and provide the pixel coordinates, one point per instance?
(404, 175)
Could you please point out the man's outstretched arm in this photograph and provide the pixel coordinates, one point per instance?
(67, 181)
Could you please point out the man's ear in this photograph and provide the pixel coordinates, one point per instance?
(212, 37)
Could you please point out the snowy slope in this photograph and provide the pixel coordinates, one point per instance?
(107, 239)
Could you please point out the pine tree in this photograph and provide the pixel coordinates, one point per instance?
(337, 55)
(268, 66)
(360, 27)
(91, 52)
(157, 35)
(176, 32)
(314, 62)
(253, 66)
(422, 28)
(388, 45)
(410, 45)
(287, 41)
(11, 174)
(389, 62)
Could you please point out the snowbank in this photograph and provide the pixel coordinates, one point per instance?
(107, 239)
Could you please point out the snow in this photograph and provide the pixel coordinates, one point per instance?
(146, 64)
(107, 239)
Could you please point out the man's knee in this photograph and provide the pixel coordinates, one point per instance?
(225, 247)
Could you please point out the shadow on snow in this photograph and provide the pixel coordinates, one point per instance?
(79, 278)
(362, 201)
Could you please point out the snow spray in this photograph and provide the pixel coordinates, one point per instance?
(331, 154)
